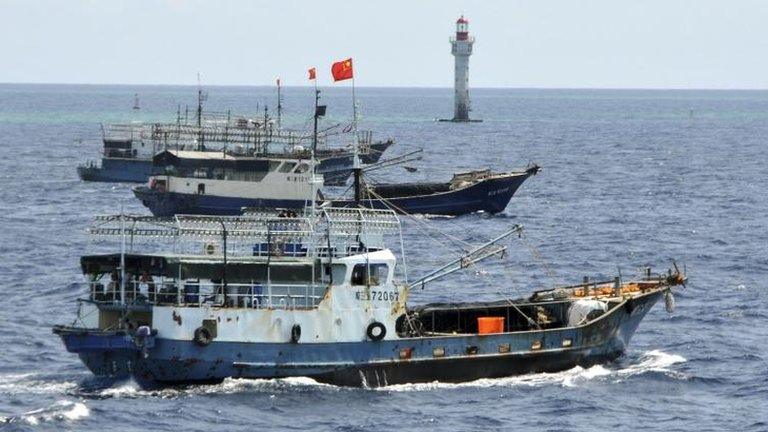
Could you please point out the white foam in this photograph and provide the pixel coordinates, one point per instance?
(652, 361)
(656, 361)
(26, 384)
(228, 386)
(62, 410)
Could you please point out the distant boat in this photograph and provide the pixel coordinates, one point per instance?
(465, 193)
(218, 183)
(128, 149)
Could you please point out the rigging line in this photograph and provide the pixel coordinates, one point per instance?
(479, 271)
(394, 207)
(510, 302)
(449, 222)
(391, 206)
(538, 257)
(445, 234)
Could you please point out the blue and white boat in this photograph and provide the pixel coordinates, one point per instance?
(219, 183)
(319, 294)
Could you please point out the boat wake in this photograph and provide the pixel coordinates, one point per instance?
(130, 389)
(651, 361)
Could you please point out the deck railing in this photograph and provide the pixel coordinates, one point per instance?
(197, 294)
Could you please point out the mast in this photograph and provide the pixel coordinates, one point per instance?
(266, 135)
(319, 112)
(201, 96)
(279, 105)
(224, 268)
(122, 256)
(356, 169)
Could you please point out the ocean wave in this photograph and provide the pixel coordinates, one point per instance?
(33, 383)
(62, 410)
(131, 389)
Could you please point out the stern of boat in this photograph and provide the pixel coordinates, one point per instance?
(161, 203)
(88, 171)
(112, 354)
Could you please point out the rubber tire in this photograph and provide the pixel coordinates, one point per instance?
(371, 327)
(203, 336)
(629, 306)
(295, 333)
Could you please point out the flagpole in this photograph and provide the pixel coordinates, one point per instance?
(356, 151)
(354, 125)
(354, 106)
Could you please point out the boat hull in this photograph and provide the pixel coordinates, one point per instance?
(105, 354)
(118, 170)
(490, 195)
(164, 204)
(387, 362)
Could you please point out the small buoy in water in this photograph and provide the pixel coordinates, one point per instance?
(669, 301)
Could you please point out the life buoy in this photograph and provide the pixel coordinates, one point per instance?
(376, 331)
(295, 333)
(203, 336)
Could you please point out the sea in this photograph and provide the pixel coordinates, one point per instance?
(630, 178)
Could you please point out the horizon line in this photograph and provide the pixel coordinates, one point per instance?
(389, 86)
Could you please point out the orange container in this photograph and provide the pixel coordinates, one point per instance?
(486, 325)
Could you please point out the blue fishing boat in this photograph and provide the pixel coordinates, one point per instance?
(465, 193)
(319, 294)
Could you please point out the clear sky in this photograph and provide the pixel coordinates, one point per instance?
(520, 43)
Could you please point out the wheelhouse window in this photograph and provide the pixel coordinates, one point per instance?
(336, 273)
(302, 168)
(369, 274)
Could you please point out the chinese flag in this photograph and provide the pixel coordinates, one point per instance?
(342, 70)
(312, 74)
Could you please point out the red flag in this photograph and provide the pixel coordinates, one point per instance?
(312, 74)
(342, 70)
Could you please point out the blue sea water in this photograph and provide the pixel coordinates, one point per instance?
(630, 178)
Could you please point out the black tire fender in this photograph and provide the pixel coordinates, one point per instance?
(203, 336)
(376, 331)
(295, 333)
(629, 306)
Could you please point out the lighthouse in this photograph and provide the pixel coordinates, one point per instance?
(461, 48)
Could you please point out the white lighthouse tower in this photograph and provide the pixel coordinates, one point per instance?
(461, 48)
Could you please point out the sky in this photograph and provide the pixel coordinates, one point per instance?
(519, 43)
